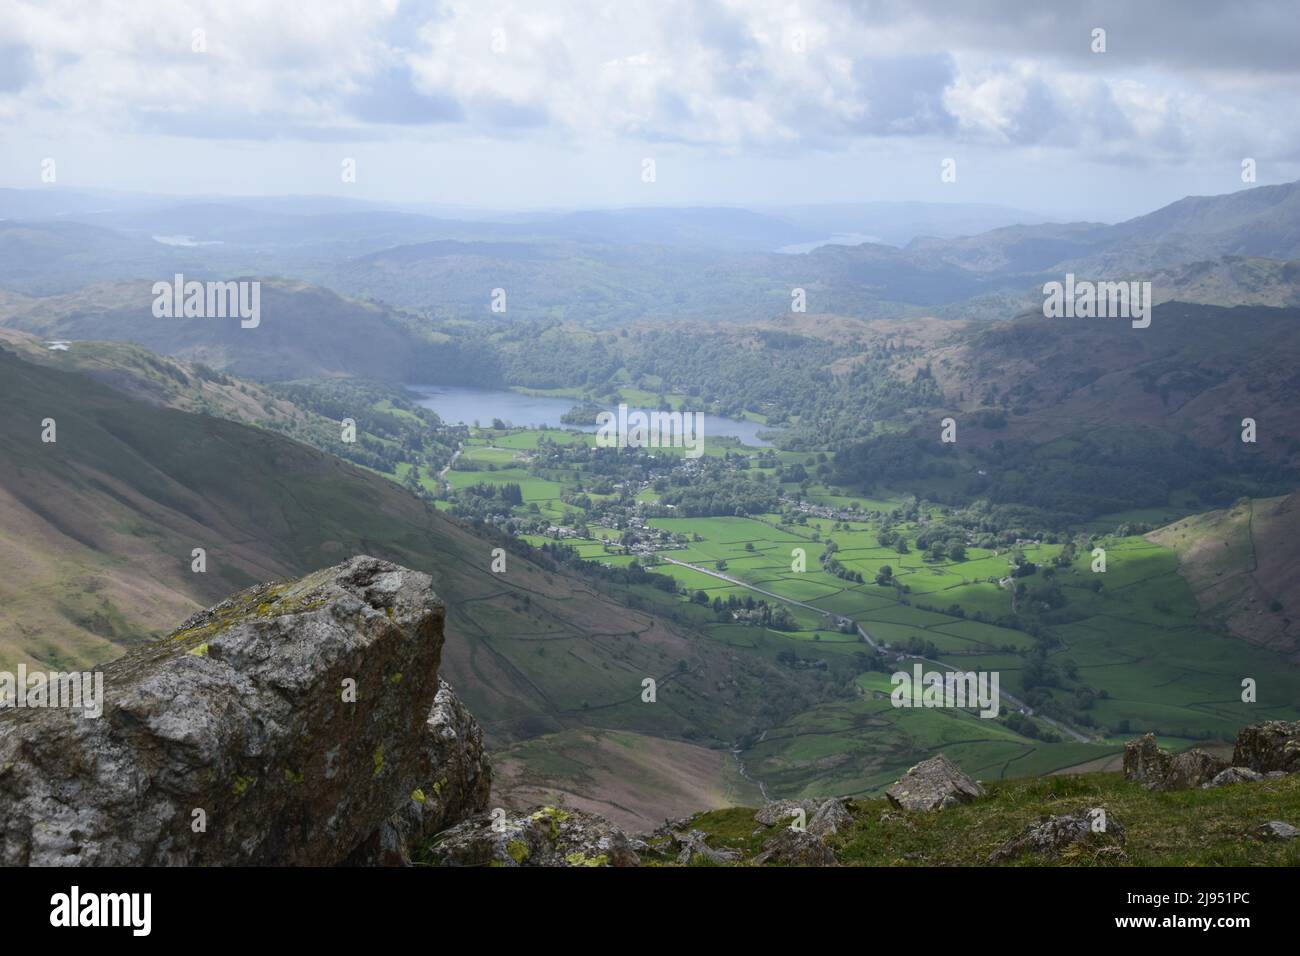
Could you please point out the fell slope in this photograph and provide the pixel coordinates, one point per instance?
(97, 530)
(1243, 563)
(304, 331)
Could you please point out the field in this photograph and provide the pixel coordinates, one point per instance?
(1122, 652)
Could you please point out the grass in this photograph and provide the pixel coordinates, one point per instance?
(1204, 828)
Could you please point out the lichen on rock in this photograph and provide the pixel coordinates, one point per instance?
(238, 714)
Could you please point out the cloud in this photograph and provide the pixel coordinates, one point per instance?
(1177, 78)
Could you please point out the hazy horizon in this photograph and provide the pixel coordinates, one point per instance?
(491, 107)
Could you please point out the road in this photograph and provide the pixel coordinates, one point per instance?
(1002, 695)
(447, 467)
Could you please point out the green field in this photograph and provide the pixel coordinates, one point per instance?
(1122, 653)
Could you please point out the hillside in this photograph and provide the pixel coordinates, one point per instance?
(1211, 828)
(1243, 564)
(392, 432)
(1230, 280)
(304, 332)
(1262, 221)
(99, 526)
(1196, 372)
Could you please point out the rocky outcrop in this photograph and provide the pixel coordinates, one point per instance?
(1265, 750)
(1147, 764)
(547, 836)
(1270, 745)
(788, 847)
(933, 784)
(458, 786)
(1193, 768)
(821, 816)
(777, 813)
(282, 726)
(1053, 835)
(693, 850)
(830, 818)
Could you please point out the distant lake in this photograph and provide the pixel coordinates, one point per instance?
(839, 239)
(458, 405)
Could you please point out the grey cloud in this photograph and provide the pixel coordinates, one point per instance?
(1247, 36)
(16, 68)
(391, 97)
(905, 94)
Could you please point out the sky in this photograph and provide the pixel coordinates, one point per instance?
(561, 103)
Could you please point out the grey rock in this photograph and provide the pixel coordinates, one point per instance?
(1233, 775)
(783, 812)
(787, 847)
(695, 850)
(1193, 768)
(1052, 835)
(239, 714)
(546, 836)
(458, 786)
(932, 785)
(1276, 830)
(1270, 745)
(830, 818)
(1146, 763)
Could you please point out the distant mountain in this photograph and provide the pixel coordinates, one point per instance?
(606, 267)
(304, 331)
(692, 227)
(1197, 371)
(1231, 280)
(1261, 222)
(49, 257)
(898, 223)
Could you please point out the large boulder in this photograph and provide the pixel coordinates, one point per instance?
(1271, 745)
(776, 813)
(458, 786)
(933, 784)
(822, 816)
(830, 818)
(1193, 768)
(1146, 763)
(547, 836)
(282, 726)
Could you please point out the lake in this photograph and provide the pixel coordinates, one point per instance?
(459, 405)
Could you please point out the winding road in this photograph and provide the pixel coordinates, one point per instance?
(1014, 702)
